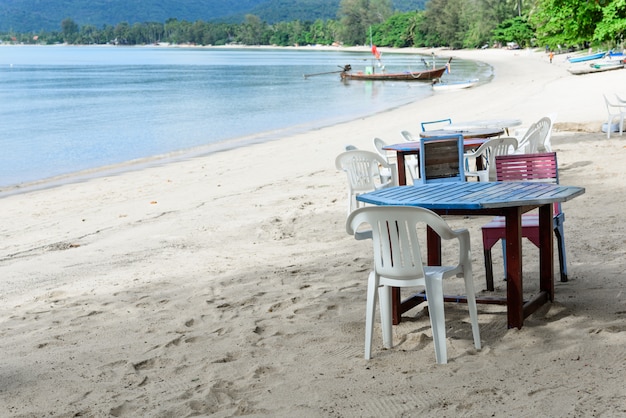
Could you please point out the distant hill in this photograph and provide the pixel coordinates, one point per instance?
(24, 16)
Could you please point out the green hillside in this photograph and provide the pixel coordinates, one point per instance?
(25, 16)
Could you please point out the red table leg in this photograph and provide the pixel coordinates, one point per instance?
(514, 294)
(546, 251)
(401, 169)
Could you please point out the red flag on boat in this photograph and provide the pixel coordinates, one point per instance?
(375, 52)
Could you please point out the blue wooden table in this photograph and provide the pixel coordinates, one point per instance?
(508, 199)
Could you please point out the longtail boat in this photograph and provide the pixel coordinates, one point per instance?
(425, 75)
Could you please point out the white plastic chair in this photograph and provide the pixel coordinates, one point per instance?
(616, 111)
(385, 173)
(488, 151)
(547, 142)
(537, 138)
(398, 263)
(410, 161)
(363, 169)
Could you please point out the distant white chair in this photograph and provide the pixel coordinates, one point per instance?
(547, 142)
(537, 138)
(616, 111)
(411, 161)
(488, 152)
(385, 172)
(363, 169)
(398, 263)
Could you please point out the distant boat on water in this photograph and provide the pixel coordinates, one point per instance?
(370, 74)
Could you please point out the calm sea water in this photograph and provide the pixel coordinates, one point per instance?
(67, 109)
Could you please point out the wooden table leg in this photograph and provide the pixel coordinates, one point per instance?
(514, 293)
(546, 251)
(401, 169)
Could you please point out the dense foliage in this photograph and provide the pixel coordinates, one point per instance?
(23, 16)
(445, 23)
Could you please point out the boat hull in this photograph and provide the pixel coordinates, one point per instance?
(408, 76)
(426, 75)
(587, 57)
(595, 69)
(454, 85)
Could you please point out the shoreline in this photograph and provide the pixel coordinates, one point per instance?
(197, 151)
(490, 56)
(226, 284)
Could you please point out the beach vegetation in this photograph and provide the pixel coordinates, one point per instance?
(516, 30)
(557, 24)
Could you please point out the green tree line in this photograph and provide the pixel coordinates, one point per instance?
(443, 23)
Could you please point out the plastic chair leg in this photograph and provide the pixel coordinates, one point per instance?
(434, 295)
(384, 295)
(471, 304)
(370, 309)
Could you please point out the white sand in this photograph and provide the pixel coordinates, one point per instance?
(226, 285)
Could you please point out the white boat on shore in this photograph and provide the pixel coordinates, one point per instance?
(454, 85)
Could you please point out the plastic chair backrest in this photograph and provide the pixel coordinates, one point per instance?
(397, 251)
(544, 129)
(492, 149)
(408, 137)
(362, 168)
(441, 159)
(379, 144)
(435, 124)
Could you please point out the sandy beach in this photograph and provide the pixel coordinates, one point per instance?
(226, 285)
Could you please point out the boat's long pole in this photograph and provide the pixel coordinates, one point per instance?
(327, 72)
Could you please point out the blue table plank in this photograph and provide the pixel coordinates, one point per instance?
(472, 195)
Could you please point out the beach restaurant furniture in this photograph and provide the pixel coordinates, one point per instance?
(398, 263)
(363, 169)
(435, 124)
(616, 111)
(467, 133)
(385, 173)
(526, 167)
(537, 137)
(507, 199)
(504, 124)
(413, 148)
(484, 158)
(441, 159)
